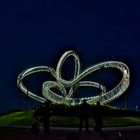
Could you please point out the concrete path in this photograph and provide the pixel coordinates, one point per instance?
(121, 128)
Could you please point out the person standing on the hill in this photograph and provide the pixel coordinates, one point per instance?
(36, 119)
(98, 112)
(84, 116)
(45, 116)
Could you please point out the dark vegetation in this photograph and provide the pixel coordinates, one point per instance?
(107, 110)
(64, 110)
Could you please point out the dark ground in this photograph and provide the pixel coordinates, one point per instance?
(14, 133)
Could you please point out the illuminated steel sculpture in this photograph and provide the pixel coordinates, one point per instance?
(62, 84)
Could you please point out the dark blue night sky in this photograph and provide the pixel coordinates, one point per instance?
(38, 33)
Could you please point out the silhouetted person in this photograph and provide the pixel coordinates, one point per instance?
(84, 116)
(36, 119)
(97, 112)
(45, 116)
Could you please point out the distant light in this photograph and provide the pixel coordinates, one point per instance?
(137, 108)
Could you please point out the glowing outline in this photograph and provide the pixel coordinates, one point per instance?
(61, 84)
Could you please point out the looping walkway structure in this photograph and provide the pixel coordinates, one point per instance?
(62, 84)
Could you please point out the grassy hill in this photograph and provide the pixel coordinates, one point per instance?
(25, 118)
(19, 118)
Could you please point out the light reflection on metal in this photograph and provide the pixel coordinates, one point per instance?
(62, 84)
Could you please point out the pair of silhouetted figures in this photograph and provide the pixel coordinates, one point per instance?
(42, 114)
(85, 111)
